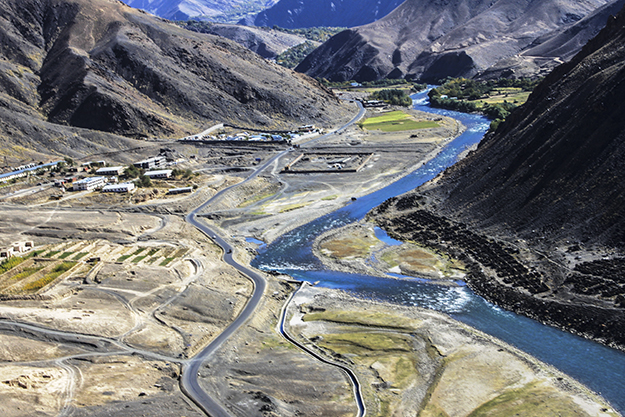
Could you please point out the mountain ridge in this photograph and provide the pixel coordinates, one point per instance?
(329, 13)
(537, 210)
(432, 40)
(104, 66)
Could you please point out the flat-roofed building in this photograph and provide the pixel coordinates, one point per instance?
(124, 187)
(151, 163)
(180, 190)
(110, 171)
(88, 184)
(164, 173)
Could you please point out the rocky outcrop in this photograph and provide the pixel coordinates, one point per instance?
(435, 39)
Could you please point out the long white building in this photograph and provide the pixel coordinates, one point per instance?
(88, 184)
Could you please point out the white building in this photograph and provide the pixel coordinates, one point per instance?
(16, 248)
(180, 190)
(88, 184)
(156, 162)
(124, 187)
(165, 173)
(110, 171)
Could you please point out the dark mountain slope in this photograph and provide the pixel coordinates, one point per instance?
(101, 65)
(336, 13)
(549, 185)
(434, 39)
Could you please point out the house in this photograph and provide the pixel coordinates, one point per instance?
(16, 248)
(165, 173)
(88, 184)
(156, 162)
(306, 128)
(110, 171)
(124, 187)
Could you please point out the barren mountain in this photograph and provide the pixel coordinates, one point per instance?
(548, 185)
(430, 40)
(103, 66)
(335, 13)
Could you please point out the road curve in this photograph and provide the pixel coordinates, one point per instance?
(189, 381)
(360, 402)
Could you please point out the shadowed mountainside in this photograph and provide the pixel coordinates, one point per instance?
(103, 66)
(549, 186)
(313, 13)
(430, 40)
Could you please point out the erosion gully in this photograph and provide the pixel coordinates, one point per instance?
(599, 367)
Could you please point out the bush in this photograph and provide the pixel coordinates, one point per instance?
(394, 97)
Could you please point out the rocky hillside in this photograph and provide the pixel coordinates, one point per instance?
(538, 210)
(431, 40)
(220, 10)
(103, 66)
(315, 13)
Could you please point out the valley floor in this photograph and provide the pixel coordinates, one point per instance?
(146, 292)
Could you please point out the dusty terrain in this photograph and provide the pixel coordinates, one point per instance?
(147, 291)
(280, 201)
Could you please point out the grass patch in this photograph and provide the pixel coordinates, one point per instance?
(349, 247)
(138, 251)
(139, 259)
(153, 251)
(292, 207)
(364, 343)
(166, 261)
(396, 121)
(35, 253)
(65, 255)
(530, 400)
(51, 253)
(363, 318)
(56, 272)
(10, 263)
(26, 273)
(255, 199)
(124, 257)
(80, 255)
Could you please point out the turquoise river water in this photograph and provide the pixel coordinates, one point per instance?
(597, 366)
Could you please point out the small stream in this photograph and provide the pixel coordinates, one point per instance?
(598, 367)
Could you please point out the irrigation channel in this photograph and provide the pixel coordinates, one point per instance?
(600, 368)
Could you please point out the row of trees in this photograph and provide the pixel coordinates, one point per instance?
(395, 97)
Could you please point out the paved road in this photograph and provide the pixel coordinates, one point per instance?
(189, 382)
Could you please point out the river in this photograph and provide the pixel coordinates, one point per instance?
(600, 368)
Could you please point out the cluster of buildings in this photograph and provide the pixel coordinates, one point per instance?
(25, 170)
(265, 137)
(16, 248)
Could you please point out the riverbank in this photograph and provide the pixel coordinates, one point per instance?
(415, 361)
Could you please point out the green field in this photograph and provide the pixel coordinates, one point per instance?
(396, 121)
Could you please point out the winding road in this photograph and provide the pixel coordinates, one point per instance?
(188, 381)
